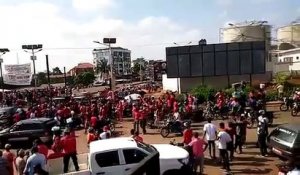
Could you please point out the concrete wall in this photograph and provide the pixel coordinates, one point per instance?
(217, 82)
(170, 84)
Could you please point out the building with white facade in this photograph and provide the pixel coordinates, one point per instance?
(287, 60)
(121, 59)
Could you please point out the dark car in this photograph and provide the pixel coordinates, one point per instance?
(6, 116)
(284, 141)
(26, 131)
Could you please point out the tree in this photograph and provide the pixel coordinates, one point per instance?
(102, 67)
(56, 71)
(85, 78)
(139, 64)
(41, 78)
(281, 77)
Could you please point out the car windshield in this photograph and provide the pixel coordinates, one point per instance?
(284, 135)
(146, 147)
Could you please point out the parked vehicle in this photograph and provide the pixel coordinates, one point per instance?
(6, 116)
(284, 141)
(26, 131)
(119, 155)
(295, 109)
(287, 104)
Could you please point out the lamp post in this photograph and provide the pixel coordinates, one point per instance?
(2, 51)
(107, 42)
(33, 49)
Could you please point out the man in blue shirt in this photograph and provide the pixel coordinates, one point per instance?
(35, 160)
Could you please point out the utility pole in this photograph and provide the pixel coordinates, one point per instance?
(65, 77)
(49, 83)
(31, 49)
(2, 51)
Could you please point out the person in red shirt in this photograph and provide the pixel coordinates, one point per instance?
(198, 146)
(42, 148)
(143, 119)
(70, 150)
(231, 131)
(17, 117)
(91, 136)
(190, 100)
(120, 109)
(136, 117)
(175, 106)
(187, 135)
(9, 156)
(94, 121)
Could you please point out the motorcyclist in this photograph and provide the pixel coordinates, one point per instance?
(178, 121)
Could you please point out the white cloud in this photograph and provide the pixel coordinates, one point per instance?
(34, 23)
(92, 5)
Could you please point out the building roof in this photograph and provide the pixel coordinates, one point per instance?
(112, 144)
(84, 66)
(113, 48)
(286, 51)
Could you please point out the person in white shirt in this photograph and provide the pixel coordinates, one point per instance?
(105, 134)
(224, 138)
(210, 132)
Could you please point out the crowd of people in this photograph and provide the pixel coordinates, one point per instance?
(92, 113)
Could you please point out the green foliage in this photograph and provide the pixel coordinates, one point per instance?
(180, 98)
(139, 64)
(41, 78)
(281, 77)
(102, 67)
(85, 78)
(56, 71)
(271, 95)
(203, 93)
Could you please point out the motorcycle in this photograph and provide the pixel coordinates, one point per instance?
(173, 126)
(287, 104)
(295, 109)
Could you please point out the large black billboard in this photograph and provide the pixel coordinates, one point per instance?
(216, 59)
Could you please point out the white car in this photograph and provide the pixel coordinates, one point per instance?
(118, 155)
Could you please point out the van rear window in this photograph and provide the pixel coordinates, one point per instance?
(284, 135)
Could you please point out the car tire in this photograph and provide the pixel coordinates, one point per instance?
(164, 132)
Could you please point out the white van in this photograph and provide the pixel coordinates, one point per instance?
(118, 155)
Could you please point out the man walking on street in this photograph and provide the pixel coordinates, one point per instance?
(262, 132)
(197, 145)
(224, 139)
(69, 147)
(210, 131)
(35, 160)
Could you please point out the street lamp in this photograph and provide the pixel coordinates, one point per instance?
(33, 49)
(107, 42)
(2, 51)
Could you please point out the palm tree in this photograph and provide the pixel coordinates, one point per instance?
(102, 67)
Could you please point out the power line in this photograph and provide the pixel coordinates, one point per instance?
(91, 48)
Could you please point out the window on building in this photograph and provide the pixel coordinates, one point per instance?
(115, 54)
(297, 58)
(121, 54)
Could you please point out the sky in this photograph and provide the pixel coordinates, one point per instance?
(67, 28)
